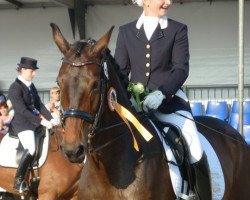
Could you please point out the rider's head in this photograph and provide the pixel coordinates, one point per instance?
(27, 68)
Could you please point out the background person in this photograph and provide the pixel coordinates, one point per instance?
(154, 51)
(11, 110)
(2, 98)
(54, 105)
(29, 114)
(5, 118)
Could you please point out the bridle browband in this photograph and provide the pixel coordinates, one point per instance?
(92, 119)
(80, 64)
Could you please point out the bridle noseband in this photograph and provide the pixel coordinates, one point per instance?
(79, 114)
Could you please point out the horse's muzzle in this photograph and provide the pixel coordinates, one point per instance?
(75, 155)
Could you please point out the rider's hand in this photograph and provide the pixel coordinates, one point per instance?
(55, 121)
(153, 100)
(46, 124)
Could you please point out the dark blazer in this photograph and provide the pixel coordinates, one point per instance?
(24, 101)
(160, 63)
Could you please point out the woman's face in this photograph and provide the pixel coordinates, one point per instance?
(4, 111)
(27, 74)
(156, 8)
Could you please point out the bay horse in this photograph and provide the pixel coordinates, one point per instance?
(59, 178)
(94, 133)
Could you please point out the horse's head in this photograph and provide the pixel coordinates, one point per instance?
(81, 82)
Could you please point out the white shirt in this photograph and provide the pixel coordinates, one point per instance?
(25, 82)
(150, 23)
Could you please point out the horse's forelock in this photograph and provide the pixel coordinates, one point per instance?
(81, 44)
(79, 47)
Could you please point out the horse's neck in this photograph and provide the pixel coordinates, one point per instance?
(115, 145)
(119, 158)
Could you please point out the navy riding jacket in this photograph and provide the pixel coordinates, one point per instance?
(159, 63)
(24, 102)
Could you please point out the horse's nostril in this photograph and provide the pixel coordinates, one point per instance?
(80, 150)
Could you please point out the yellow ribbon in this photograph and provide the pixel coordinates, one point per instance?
(127, 115)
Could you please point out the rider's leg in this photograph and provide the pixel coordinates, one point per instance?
(27, 138)
(198, 159)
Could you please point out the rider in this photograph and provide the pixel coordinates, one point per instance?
(29, 114)
(154, 51)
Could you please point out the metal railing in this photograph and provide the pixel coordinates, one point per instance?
(194, 93)
(215, 92)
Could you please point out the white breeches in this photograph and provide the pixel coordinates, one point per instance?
(188, 129)
(27, 139)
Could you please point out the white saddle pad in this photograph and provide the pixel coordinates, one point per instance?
(8, 151)
(216, 173)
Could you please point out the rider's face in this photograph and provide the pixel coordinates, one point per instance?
(156, 8)
(28, 74)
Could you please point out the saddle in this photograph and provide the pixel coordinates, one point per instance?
(173, 137)
(40, 134)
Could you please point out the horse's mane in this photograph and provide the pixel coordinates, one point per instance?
(114, 65)
(117, 80)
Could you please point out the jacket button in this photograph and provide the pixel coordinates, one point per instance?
(147, 55)
(147, 74)
(147, 46)
(147, 64)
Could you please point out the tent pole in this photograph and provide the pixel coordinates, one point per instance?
(241, 65)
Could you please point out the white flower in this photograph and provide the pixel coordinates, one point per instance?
(138, 88)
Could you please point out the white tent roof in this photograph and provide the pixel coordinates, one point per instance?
(18, 4)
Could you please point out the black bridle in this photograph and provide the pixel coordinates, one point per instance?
(86, 116)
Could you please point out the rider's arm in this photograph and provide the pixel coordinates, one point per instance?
(180, 62)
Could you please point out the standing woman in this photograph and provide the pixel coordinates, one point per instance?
(29, 114)
(154, 51)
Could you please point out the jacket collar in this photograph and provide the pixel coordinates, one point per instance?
(25, 82)
(158, 33)
(163, 21)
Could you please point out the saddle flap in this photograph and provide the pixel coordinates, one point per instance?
(9, 150)
(173, 137)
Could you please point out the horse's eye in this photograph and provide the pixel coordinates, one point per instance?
(95, 85)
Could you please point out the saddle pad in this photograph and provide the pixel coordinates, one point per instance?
(217, 177)
(216, 173)
(8, 151)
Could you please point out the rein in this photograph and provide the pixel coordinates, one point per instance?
(92, 149)
(208, 127)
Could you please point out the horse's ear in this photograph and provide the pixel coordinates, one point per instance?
(60, 41)
(102, 43)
